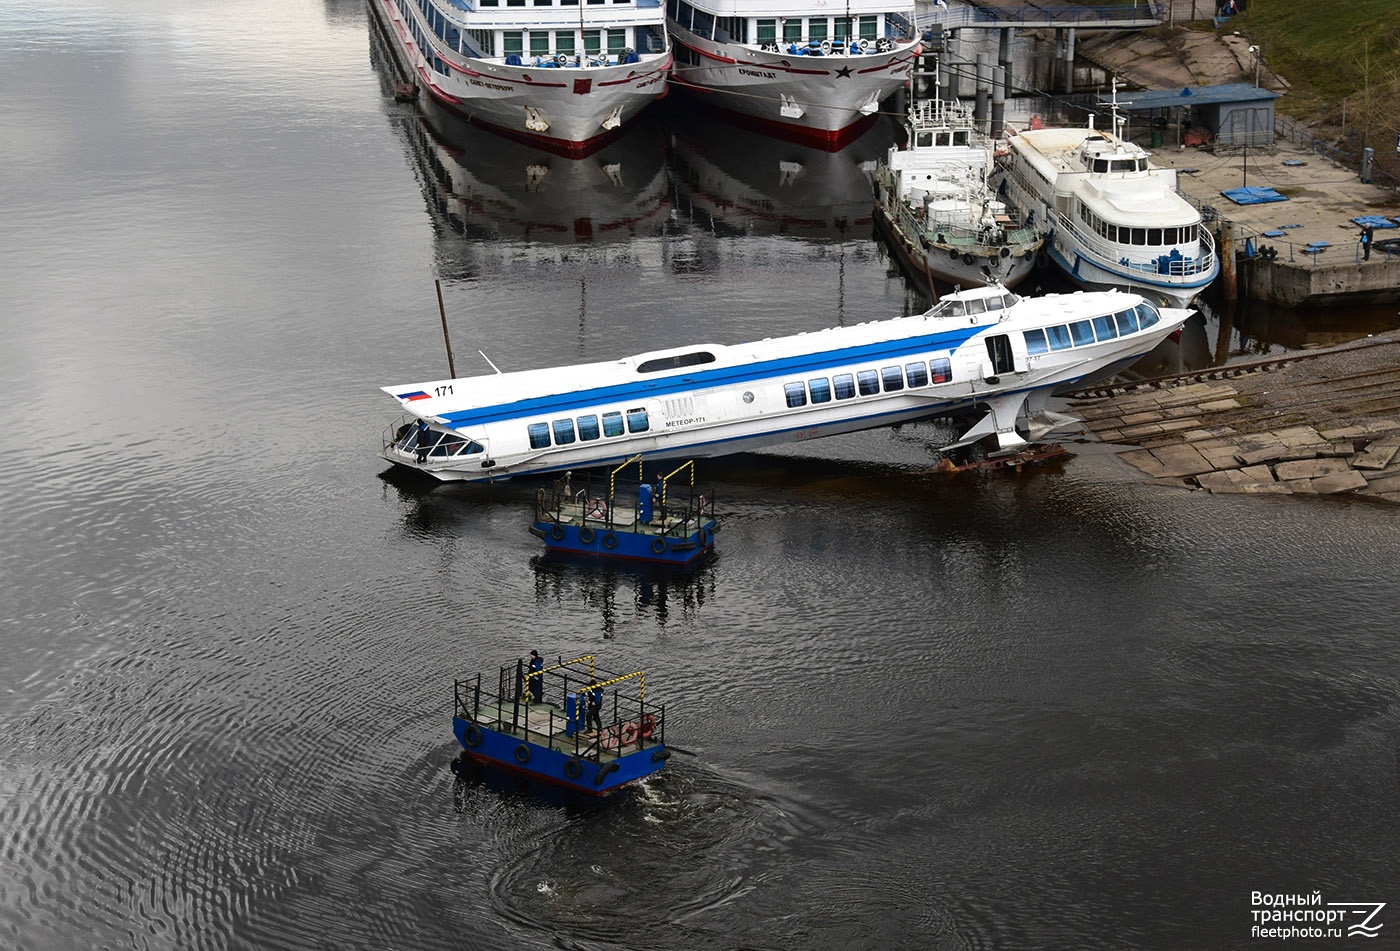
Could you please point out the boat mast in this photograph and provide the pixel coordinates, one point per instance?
(442, 312)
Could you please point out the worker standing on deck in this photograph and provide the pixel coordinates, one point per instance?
(595, 705)
(1366, 235)
(536, 678)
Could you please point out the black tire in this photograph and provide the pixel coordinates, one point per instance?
(609, 540)
(704, 538)
(472, 735)
(1005, 252)
(603, 771)
(967, 259)
(585, 535)
(658, 547)
(659, 755)
(557, 533)
(953, 253)
(573, 768)
(522, 754)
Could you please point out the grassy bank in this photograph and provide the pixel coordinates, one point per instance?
(1342, 63)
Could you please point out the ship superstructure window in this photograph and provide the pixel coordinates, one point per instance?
(820, 390)
(893, 378)
(1082, 331)
(637, 420)
(1058, 337)
(563, 432)
(1104, 328)
(588, 428)
(539, 435)
(1127, 321)
(796, 394)
(916, 374)
(1147, 315)
(845, 386)
(869, 382)
(612, 424)
(941, 369)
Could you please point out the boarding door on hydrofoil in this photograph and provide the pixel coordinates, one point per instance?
(1006, 354)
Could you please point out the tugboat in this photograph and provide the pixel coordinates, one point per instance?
(669, 521)
(569, 724)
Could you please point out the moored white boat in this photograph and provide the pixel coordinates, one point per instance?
(934, 201)
(564, 74)
(807, 71)
(1115, 219)
(983, 357)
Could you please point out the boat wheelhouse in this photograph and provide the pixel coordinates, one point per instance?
(621, 515)
(538, 722)
(812, 73)
(985, 358)
(563, 73)
(1114, 219)
(938, 209)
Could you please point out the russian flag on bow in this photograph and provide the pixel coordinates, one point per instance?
(415, 395)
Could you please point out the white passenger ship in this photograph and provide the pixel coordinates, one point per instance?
(1115, 220)
(935, 201)
(564, 73)
(984, 356)
(811, 72)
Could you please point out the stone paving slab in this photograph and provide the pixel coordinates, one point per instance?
(1379, 454)
(1310, 469)
(1236, 482)
(1348, 481)
(1181, 460)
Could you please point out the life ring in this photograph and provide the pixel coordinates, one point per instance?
(522, 754)
(826, 47)
(967, 259)
(658, 546)
(573, 768)
(561, 59)
(864, 45)
(557, 533)
(704, 538)
(585, 535)
(598, 508)
(609, 540)
(1005, 252)
(472, 735)
(629, 733)
(648, 726)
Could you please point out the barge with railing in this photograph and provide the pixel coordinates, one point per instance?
(621, 515)
(570, 723)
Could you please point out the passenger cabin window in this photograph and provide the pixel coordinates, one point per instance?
(916, 374)
(796, 394)
(820, 390)
(612, 424)
(1082, 332)
(1104, 328)
(1127, 322)
(941, 368)
(539, 435)
(588, 428)
(675, 361)
(1147, 315)
(869, 382)
(893, 378)
(1058, 337)
(845, 386)
(563, 432)
(1036, 342)
(637, 420)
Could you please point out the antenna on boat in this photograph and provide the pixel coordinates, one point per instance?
(442, 312)
(488, 360)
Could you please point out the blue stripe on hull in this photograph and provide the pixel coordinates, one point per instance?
(543, 763)
(707, 379)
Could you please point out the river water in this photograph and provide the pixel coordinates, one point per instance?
(1059, 709)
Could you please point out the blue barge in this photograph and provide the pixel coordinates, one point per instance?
(569, 723)
(622, 516)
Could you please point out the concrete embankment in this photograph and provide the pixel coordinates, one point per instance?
(1318, 423)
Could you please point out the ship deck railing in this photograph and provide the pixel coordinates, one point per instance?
(957, 235)
(606, 502)
(1163, 265)
(630, 723)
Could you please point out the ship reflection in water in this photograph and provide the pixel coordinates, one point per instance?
(621, 592)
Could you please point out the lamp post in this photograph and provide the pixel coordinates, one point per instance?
(1255, 51)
